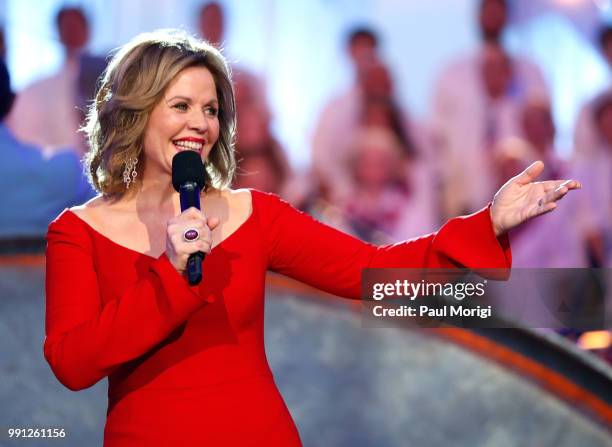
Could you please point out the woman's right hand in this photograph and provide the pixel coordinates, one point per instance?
(177, 248)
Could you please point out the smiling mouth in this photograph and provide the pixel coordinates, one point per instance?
(183, 145)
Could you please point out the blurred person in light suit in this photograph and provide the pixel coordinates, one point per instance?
(468, 123)
(49, 112)
(475, 105)
(340, 116)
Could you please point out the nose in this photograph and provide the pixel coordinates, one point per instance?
(197, 121)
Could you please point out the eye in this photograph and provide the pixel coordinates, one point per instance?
(182, 106)
(212, 111)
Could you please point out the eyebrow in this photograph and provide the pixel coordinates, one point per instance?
(188, 99)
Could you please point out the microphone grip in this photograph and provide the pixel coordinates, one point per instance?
(189, 193)
(194, 268)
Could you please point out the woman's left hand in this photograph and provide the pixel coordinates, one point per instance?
(521, 199)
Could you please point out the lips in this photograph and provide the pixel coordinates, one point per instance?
(190, 144)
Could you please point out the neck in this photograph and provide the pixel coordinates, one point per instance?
(159, 195)
(154, 193)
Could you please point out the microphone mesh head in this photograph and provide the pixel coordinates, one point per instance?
(187, 166)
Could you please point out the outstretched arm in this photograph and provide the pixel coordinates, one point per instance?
(309, 251)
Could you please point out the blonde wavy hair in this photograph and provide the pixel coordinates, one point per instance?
(133, 83)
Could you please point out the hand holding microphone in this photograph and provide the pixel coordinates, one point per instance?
(189, 236)
(179, 229)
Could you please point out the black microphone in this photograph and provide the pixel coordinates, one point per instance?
(188, 179)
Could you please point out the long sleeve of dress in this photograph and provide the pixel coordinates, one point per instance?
(300, 247)
(86, 338)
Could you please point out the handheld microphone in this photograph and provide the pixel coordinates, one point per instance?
(188, 179)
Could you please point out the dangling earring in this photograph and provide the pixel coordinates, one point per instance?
(130, 173)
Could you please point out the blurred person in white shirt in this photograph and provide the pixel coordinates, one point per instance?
(340, 117)
(49, 112)
(467, 120)
(470, 119)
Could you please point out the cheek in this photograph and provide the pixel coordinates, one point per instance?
(160, 126)
(154, 140)
(170, 125)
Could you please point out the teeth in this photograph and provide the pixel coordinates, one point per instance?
(192, 145)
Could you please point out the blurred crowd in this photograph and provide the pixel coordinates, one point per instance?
(375, 171)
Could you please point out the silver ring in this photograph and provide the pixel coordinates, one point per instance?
(191, 235)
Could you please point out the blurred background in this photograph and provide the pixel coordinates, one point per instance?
(383, 118)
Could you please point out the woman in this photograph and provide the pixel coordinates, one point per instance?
(186, 365)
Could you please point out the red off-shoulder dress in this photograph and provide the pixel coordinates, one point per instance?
(186, 366)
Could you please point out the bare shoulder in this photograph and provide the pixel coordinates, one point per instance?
(90, 211)
(239, 202)
(241, 198)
